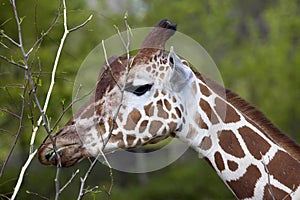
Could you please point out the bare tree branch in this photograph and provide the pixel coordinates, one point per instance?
(18, 131)
(83, 192)
(9, 112)
(42, 118)
(83, 180)
(81, 25)
(69, 181)
(10, 39)
(12, 62)
(21, 176)
(37, 194)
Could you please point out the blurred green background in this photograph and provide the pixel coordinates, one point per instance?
(255, 44)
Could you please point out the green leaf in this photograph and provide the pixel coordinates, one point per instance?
(21, 19)
(40, 83)
(21, 95)
(21, 62)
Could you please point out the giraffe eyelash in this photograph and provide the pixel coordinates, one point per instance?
(138, 90)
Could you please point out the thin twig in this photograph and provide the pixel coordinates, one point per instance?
(42, 111)
(12, 62)
(69, 181)
(83, 180)
(4, 197)
(36, 194)
(110, 174)
(105, 56)
(9, 112)
(10, 39)
(16, 15)
(81, 25)
(107, 65)
(39, 40)
(56, 180)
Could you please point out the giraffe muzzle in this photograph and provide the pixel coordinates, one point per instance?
(68, 155)
(61, 149)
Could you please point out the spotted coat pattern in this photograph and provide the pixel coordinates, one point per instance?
(161, 96)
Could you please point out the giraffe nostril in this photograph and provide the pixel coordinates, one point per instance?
(49, 155)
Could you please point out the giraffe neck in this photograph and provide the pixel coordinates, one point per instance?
(255, 161)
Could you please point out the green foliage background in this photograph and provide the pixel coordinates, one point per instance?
(255, 44)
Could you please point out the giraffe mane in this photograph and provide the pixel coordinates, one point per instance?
(256, 117)
(109, 75)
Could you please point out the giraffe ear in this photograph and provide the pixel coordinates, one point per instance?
(181, 72)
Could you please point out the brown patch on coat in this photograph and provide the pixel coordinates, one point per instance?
(178, 112)
(173, 116)
(270, 192)
(204, 105)
(285, 169)
(130, 139)
(206, 143)
(204, 90)
(219, 161)
(156, 94)
(143, 126)
(232, 165)
(154, 127)
(167, 104)
(160, 110)
(256, 117)
(149, 109)
(174, 100)
(230, 144)
(256, 145)
(132, 119)
(199, 121)
(117, 138)
(100, 127)
(112, 124)
(244, 186)
(226, 112)
(172, 126)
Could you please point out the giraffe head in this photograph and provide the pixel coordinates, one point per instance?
(136, 102)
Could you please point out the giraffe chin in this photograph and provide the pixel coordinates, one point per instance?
(69, 154)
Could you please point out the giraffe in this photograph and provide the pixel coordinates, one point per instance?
(154, 95)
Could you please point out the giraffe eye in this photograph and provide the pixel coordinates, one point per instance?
(138, 90)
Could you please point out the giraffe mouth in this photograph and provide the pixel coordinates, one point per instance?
(66, 156)
(51, 154)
